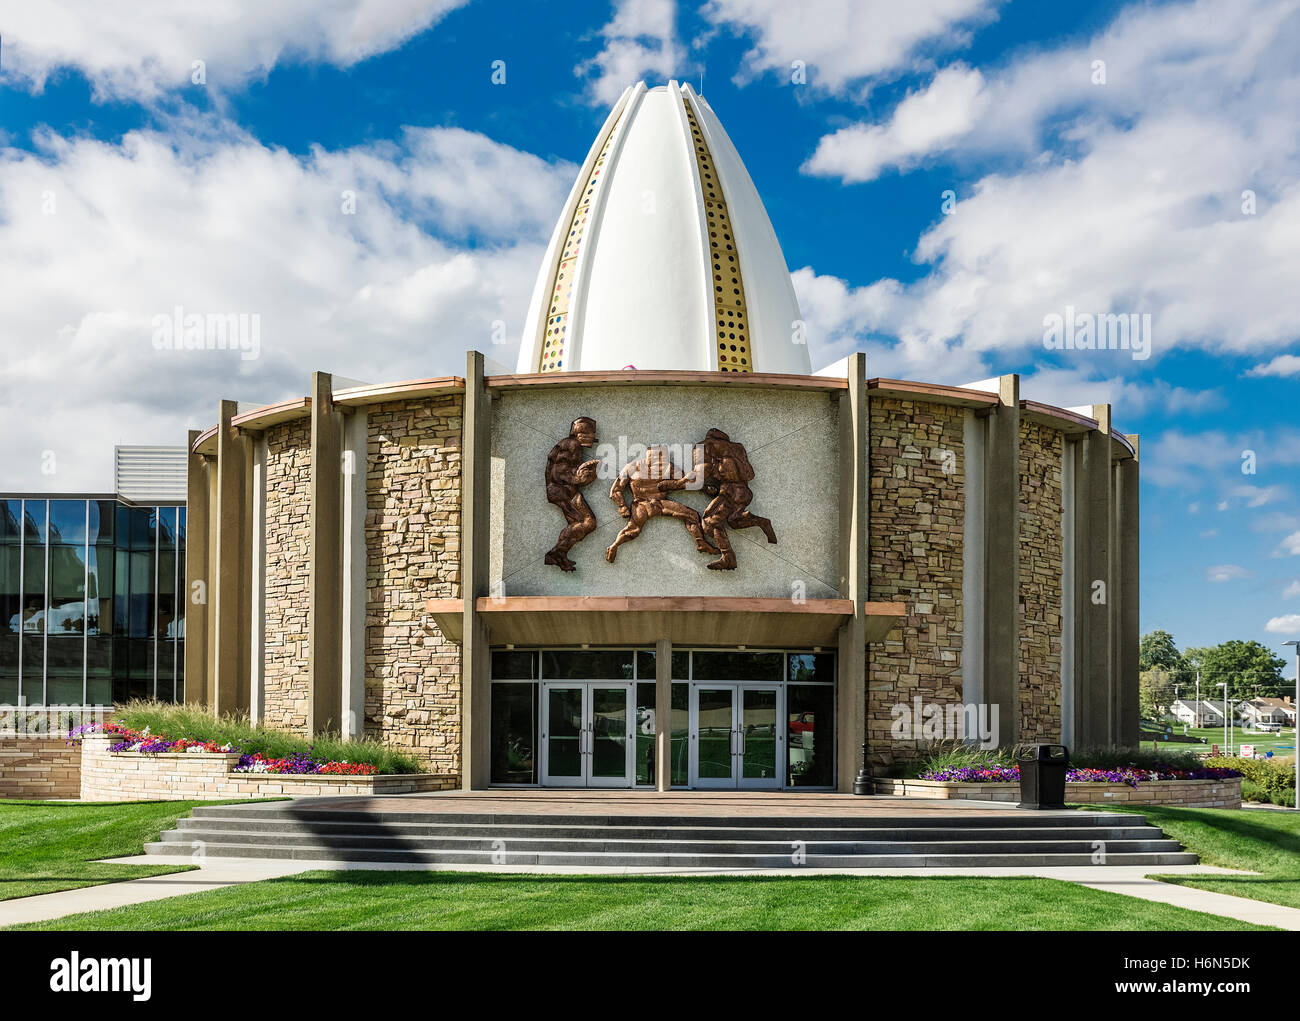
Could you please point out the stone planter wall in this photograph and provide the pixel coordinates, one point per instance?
(39, 767)
(1184, 793)
(185, 776)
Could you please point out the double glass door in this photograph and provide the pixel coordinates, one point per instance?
(737, 735)
(588, 733)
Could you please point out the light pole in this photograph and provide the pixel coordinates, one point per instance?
(1296, 749)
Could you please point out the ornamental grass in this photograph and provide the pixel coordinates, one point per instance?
(197, 725)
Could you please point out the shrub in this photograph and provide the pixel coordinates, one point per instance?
(1271, 779)
(199, 724)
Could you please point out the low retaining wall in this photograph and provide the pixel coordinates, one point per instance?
(1184, 793)
(208, 776)
(39, 767)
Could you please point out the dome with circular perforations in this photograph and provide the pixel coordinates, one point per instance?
(663, 256)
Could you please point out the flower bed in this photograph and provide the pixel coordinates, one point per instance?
(1217, 788)
(1129, 777)
(113, 769)
(297, 764)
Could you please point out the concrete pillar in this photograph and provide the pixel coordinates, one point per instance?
(851, 679)
(1002, 561)
(1094, 590)
(210, 671)
(257, 583)
(197, 574)
(232, 556)
(353, 630)
(1128, 635)
(663, 714)
(475, 661)
(325, 580)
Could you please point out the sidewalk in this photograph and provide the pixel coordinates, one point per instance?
(216, 873)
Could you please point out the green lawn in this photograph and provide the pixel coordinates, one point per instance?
(1282, 744)
(1256, 840)
(46, 846)
(445, 900)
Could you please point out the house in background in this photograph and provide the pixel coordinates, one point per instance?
(1198, 714)
(1267, 710)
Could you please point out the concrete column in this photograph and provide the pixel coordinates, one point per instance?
(197, 574)
(851, 679)
(325, 580)
(1128, 581)
(663, 714)
(475, 556)
(213, 502)
(232, 555)
(353, 630)
(1094, 590)
(257, 584)
(1002, 561)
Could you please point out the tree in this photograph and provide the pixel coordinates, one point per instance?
(1247, 668)
(1155, 692)
(1157, 651)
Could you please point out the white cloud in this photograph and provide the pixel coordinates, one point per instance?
(217, 222)
(1282, 365)
(1286, 625)
(1123, 197)
(640, 41)
(136, 49)
(1260, 496)
(922, 123)
(1227, 572)
(844, 41)
(1291, 590)
(1291, 545)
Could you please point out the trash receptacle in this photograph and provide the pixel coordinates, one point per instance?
(1042, 775)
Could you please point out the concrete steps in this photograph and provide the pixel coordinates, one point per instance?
(1029, 839)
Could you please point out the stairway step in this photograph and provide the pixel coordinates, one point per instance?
(789, 832)
(298, 811)
(602, 844)
(674, 859)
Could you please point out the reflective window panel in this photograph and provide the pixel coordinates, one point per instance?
(514, 733)
(810, 735)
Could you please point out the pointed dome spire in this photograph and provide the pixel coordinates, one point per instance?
(663, 256)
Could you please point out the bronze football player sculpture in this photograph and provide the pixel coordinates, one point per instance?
(642, 477)
(566, 474)
(726, 474)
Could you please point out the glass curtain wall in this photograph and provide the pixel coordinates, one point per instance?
(91, 608)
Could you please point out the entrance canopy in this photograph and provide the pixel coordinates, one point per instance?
(683, 620)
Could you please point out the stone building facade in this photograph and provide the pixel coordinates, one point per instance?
(932, 568)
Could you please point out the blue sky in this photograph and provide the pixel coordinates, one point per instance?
(128, 188)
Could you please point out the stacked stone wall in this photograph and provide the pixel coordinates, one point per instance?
(1040, 568)
(285, 678)
(412, 687)
(917, 509)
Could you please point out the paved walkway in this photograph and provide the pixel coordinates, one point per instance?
(221, 872)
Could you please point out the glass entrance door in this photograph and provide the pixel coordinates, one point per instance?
(737, 739)
(588, 734)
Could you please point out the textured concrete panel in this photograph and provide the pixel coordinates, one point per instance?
(792, 438)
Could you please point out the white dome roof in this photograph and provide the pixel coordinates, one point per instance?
(663, 257)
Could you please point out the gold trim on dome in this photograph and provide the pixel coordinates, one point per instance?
(731, 318)
(557, 315)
